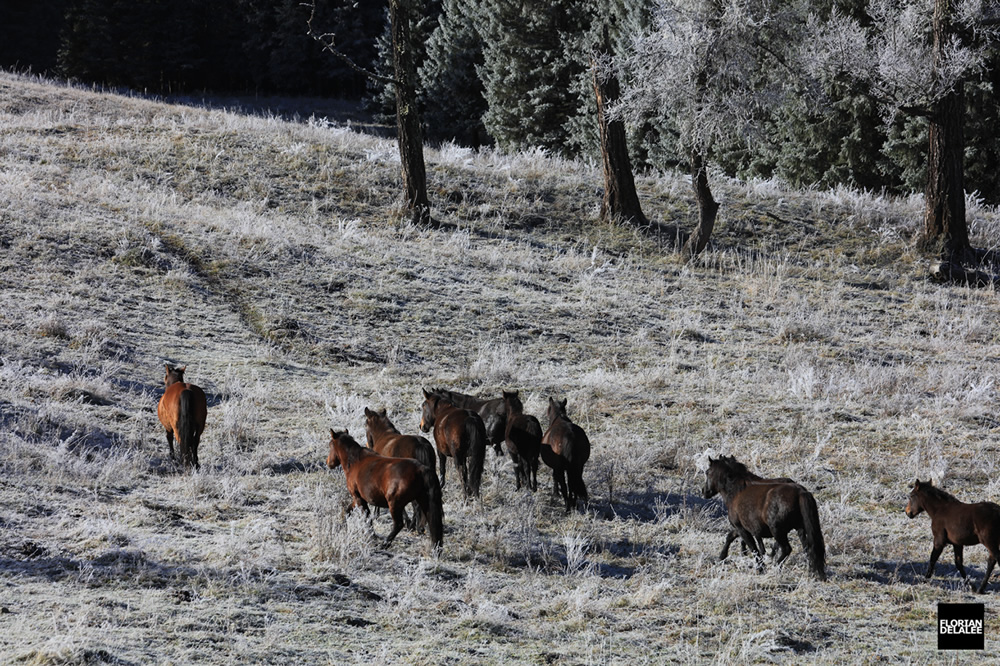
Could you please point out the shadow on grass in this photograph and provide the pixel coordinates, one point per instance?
(652, 507)
(946, 576)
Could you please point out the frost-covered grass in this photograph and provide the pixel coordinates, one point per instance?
(273, 259)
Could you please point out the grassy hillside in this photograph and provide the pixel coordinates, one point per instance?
(274, 261)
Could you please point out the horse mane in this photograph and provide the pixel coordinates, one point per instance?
(513, 400)
(383, 418)
(737, 468)
(353, 451)
(937, 493)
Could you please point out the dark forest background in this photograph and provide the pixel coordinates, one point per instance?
(491, 72)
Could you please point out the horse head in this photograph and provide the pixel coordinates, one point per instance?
(427, 410)
(174, 374)
(557, 409)
(372, 419)
(513, 402)
(711, 487)
(915, 504)
(333, 458)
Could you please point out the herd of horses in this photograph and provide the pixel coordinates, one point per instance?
(396, 470)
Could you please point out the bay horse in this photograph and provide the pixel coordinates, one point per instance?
(383, 437)
(493, 411)
(389, 483)
(760, 509)
(566, 449)
(523, 435)
(957, 523)
(460, 434)
(182, 411)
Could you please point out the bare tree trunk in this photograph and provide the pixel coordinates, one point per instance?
(708, 207)
(410, 138)
(621, 201)
(945, 230)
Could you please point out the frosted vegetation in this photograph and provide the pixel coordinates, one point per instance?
(274, 260)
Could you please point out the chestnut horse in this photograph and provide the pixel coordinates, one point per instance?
(390, 483)
(384, 438)
(524, 441)
(761, 509)
(957, 523)
(566, 449)
(459, 434)
(493, 411)
(182, 411)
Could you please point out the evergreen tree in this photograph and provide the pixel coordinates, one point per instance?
(531, 76)
(452, 93)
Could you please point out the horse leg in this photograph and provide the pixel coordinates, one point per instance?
(170, 442)
(935, 554)
(730, 537)
(780, 541)
(751, 541)
(441, 464)
(398, 513)
(990, 563)
(463, 472)
(959, 560)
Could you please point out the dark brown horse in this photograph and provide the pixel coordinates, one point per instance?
(957, 523)
(753, 478)
(524, 441)
(460, 434)
(493, 411)
(390, 483)
(760, 509)
(182, 411)
(566, 449)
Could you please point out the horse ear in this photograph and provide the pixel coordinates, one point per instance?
(562, 402)
(369, 412)
(427, 393)
(333, 433)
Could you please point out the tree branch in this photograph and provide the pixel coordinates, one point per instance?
(326, 40)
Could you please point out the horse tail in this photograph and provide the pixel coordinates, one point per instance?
(435, 507)
(812, 537)
(475, 433)
(425, 453)
(185, 428)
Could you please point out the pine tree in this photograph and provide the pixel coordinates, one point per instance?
(452, 93)
(528, 74)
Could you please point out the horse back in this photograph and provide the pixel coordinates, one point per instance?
(169, 406)
(764, 505)
(381, 480)
(406, 446)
